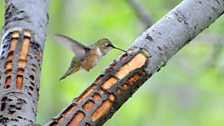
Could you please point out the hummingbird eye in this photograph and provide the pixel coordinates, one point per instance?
(107, 45)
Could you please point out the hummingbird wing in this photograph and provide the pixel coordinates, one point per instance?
(76, 47)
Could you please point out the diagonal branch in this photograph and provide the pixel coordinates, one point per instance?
(145, 56)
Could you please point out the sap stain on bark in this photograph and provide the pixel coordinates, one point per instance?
(14, 14)
(217, 1)
(199, 2)
(148, 37)
(181, 17)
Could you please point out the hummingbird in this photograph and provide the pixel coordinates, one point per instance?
(86, 57)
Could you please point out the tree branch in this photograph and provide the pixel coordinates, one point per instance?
(145, 56)
(21, 56)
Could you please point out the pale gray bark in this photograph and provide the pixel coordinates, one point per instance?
(161, 41)
(27, 14)
(23, 40)
(177, 29)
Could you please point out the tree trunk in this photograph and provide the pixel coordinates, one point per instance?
(145, 56)
(21, 56)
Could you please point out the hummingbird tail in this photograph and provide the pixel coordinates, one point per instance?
(63, 77)
(69, 72)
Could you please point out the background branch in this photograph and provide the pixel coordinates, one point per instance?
(210, 39)
(142, 13)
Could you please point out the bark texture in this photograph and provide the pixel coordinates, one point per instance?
(20, 61)
(145, 56)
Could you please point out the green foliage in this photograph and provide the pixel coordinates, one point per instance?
(187, 92)
(2, 4)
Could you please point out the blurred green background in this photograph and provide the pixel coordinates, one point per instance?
(189, 91)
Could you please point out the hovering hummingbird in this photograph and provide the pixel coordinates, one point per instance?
(86, 57)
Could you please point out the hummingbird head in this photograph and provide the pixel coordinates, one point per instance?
(105, 46)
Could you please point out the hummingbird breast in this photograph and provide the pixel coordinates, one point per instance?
(92, 58)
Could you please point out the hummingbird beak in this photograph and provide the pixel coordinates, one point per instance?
(117, 48)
